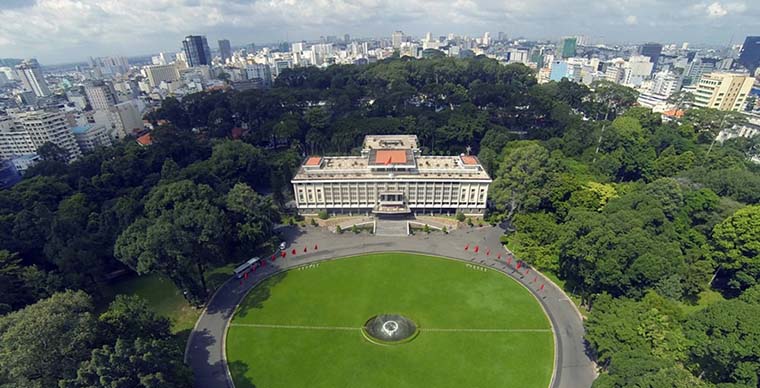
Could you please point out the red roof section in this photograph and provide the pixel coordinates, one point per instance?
(469, 160)
(313, 161)
(391, 156)
(677, 113)
(145, 139)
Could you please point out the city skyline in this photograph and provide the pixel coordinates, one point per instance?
(70, 31)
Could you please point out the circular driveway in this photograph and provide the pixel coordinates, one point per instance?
(205, 352)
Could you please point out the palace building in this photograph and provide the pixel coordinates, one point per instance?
(391, 177)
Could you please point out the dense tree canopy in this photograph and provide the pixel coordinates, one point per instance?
(636, 215)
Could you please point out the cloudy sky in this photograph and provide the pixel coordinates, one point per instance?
(57, 31)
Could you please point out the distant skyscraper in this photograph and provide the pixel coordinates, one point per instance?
(161, 73)
(749, 57)
(396, 38)
(346, 38)
(568, 47)
(101, 95)
(196, 50)
(30, 74)
(225, 50)
(653, 51)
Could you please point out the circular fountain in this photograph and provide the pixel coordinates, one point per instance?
(390, 329)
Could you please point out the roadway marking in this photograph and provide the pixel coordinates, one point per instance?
(347, 328)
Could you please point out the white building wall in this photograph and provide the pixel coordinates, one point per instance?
(420, 195)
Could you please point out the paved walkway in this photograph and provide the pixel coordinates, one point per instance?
(205, 348)
(394, 228)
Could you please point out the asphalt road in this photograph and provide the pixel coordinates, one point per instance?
(205, 347)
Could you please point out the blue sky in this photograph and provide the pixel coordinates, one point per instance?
(56, 31)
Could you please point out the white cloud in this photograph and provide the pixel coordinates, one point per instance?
(716, 10)
(57, 30)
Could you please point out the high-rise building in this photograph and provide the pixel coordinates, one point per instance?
(568, 46)
(396, 38)
(109, 66)
(346, 38)
(101, 95)
(91, 136)
(637, 68)
(196, 50)
(666, 83)
(30, 74)
(24, 133)
(225, 50)
(698, 67)
(723, 91)
(129, 117)
(297, 47)
(653, 51)
(749, 57)
(261, 72)
(161, 73)
(487, 39)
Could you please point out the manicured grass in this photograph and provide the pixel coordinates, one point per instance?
(435, 293)
(164, 297)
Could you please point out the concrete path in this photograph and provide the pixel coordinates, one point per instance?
(205, 348)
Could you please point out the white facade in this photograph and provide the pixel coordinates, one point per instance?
(14, 140)
(391, 177)
(723, 91)
(31, 76)
(396, 39)
(90, 136)
(130, 118)
(101, 95)
(666, 83)
(160, 73)
(30, 130)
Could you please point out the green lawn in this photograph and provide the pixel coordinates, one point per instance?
(435, 293)
(165, 299)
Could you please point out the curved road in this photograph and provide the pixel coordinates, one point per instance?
(205, 347)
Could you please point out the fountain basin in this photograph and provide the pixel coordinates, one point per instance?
(390, 329)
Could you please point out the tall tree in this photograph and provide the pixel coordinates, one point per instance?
(520, 181)
(738, 242)
(46, 341)
(182, 234)
(141, 363)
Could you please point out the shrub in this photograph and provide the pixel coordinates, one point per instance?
(338, 229)
(460, 216)
(314, 222)
(426, 229)
(323, 215)
(445, 230)
(355, 229)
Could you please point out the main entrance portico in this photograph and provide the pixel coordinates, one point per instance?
(391, 203)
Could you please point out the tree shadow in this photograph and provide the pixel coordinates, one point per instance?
(259, 294)
(208, 369)
(239, 368)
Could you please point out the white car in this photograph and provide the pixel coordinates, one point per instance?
(283, 245)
